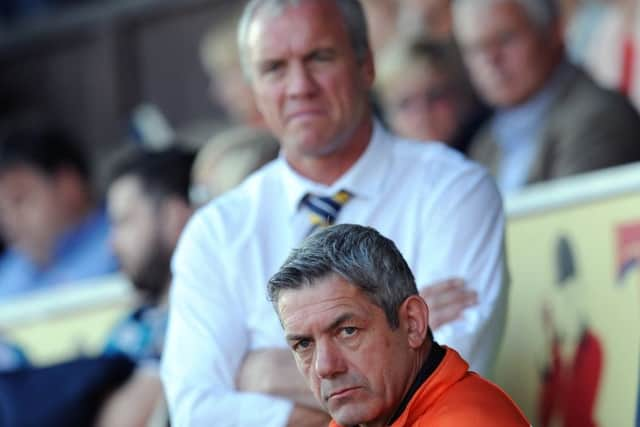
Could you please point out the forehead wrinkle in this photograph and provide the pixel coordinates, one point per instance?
(302, 316)
(282, 44)
(345, 317)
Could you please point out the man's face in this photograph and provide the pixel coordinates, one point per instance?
(309, 86)
(509, 58)
(31, 215)
(357, 366)
(136, 236)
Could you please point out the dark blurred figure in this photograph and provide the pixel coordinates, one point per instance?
(552, 120)
(148, 201)
(15, 10)
(426, 94)
(64, 394)
(56, 232)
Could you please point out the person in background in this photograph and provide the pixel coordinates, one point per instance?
(148, 202)
(382, 17)
(221, 62)
(225, 352)
(551, 119)
(431, 19)
(425, 92)
(227, 159)
(359, 333)
(56, 231)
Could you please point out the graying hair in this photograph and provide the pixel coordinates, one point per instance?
(542, 13)
(358, 254)
(352, 15)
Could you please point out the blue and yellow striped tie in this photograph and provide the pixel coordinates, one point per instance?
(323, 210)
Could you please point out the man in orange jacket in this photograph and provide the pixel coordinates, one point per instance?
(358, 330)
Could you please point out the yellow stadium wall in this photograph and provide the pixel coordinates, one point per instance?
(599, 217)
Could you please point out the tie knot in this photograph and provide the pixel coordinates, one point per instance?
(323, 210)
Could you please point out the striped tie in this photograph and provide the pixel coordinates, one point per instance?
(323, 211)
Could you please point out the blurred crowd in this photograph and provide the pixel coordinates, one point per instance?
(533, 90)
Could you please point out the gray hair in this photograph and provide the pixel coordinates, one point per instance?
(352, 15)
(543, 13)
(358, 254)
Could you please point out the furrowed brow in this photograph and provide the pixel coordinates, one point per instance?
(340, 320)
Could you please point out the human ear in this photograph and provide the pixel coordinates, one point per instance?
(416, 320)
(368, 70)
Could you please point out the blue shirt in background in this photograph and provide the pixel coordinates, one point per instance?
(81, 253)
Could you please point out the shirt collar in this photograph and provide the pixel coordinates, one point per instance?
(435, 357)
(525, 119)
(364, 179)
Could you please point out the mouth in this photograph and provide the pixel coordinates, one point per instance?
(345, 392)
(304, 114)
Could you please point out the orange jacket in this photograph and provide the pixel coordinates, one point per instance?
(454, 397)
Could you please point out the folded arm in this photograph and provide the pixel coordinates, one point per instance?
(206, 339)
(468, 240)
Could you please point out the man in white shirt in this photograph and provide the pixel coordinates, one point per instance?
(310, 66)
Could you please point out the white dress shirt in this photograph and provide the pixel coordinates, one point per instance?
(443, 212)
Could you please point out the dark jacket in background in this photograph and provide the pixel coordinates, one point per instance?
(64, 395)
(587, 128)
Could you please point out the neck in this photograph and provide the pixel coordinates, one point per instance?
(421, 368)
(327, 168)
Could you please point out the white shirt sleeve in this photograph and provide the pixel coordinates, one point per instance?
(469, 224)
(206, 339)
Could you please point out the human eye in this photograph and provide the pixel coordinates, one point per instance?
(323, 55)
(301, 345)
(348, 331)
(271, 67)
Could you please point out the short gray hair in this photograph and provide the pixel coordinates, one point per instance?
(352, 15)
(358, 254)
(542, 13)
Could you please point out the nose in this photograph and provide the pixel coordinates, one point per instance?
(329, 361)
(300, 81)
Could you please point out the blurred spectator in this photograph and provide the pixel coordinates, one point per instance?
(227, 159)
(55, 231)
(425, 92)
(64, 394)
(552, 120)
(148, 204)
(221, 62)
(604, 36)
(431, 19)
(382, 16)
